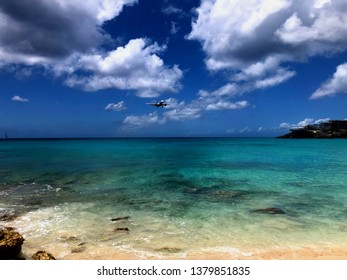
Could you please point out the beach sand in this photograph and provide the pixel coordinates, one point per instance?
(96, 252)
(304, 254)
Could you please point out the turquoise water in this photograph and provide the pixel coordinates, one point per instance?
(181, 196)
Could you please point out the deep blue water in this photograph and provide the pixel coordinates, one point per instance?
(189, 194)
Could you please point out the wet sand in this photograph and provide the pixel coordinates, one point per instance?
(101, 253)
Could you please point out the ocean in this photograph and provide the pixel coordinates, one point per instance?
(175, 198)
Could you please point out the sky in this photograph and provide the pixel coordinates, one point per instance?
(227, 68)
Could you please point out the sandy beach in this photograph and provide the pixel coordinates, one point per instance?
(304, 254)
(61, 252)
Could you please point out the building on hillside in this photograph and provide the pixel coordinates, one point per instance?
(334, 125)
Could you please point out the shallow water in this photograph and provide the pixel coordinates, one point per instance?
(181, 196)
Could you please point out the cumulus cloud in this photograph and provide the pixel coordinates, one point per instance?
(120, 106)
(253, 39)
(136, 66)
(225, 105)
(237, 44)
(228, 90)
(42, 31)
(17, 98)
(181, 111)
(280, 77)
(65, 37)
(303, 123)
(205, 102)
(143, 121)
(337, 84)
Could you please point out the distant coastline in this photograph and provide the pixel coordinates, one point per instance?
(326, 130)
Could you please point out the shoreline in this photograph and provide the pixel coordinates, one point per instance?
(303, 254)
(96, 252)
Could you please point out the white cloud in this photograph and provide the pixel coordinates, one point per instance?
(17, 98)
(232, 90)
(286, 125)
(138, 122)
(180, 111)
(65, 38)
(225, 105)
(337, 84)
(237, 25)
(306, 121)
(319, 29)
(253, 39)
(228, 90)
(136, 66)
(120, 106)
(321, 120)
(280, 77)
(205, 102)
(44, 32)
(108, 9)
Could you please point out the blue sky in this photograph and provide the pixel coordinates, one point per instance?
(72, 68)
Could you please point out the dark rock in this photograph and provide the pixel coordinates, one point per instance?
(300, 133)
(42, 255)
(35, 202)
(125, 229)
(10, 243)
(7, 217)
(72, 238)
(169, 250)
(78, 250)
(19, 257)
(270, 210)
(69, 238)
(120, 219)
(70, 182)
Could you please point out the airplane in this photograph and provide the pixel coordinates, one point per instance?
(161, 104)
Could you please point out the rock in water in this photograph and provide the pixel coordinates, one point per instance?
(7, 217)
(125, 229)
(10, 243)
(120, 219)
(270, 210)
(42, 255)
(169, 250)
